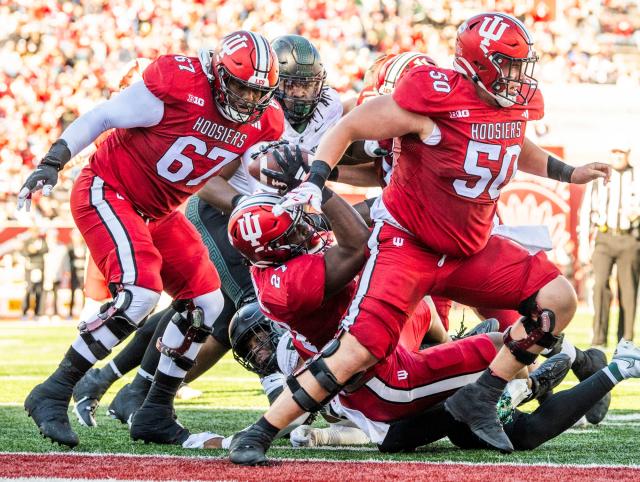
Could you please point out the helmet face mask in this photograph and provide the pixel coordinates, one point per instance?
(299, 97)
(245, 76)
(254, 340)
(496, 51)
(302, 77)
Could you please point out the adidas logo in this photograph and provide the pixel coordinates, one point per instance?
(257, 125)
(525, 114)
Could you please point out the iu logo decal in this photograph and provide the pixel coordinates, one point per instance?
(398, 241)
(250, 229)
(492, 28)
(232, 45)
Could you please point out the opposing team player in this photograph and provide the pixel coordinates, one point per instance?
(174, 131)
(461, 133)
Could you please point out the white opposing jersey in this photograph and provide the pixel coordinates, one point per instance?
(326, 114)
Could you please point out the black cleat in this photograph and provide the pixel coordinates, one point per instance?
(594, 360)
(475, 406)
(487, 326)
(249, 446)
(548, 376)
(156, 423)
(48, 407)
(87, 394)
(126, 402)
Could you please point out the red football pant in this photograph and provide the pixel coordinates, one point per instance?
(409, 382)
(400, 271)
(164, 254)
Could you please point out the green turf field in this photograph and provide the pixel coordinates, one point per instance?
(233, 399)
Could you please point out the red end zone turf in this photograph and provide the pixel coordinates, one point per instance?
(209, 468)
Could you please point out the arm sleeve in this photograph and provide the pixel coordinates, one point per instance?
(135, 106)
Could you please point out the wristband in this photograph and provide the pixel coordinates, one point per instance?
(319, 173)
(558, 170)
(58, 155)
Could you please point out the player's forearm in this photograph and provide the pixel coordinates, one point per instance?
(220, 194)
(347, 225)
(135, 106)
(363, 175)
(533, 159)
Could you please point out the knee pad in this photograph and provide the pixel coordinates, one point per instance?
(121, 316)
(324, 377)
(190, 320)
(538, 324)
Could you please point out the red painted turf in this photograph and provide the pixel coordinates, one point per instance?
(183, 468)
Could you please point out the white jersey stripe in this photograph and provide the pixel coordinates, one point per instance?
(365, 279)
(124, 249)
(397, 395)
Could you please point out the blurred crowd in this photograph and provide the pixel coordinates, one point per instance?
(59, 58)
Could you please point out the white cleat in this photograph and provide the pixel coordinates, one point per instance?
(627, 357)
(516, 392)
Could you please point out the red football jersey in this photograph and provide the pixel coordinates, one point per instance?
(291, 294)
(446, 194)
(157, 168)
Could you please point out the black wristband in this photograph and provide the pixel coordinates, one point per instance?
(335, 173)
(326, 194)
(58, 155)
(558, 170)
(319, 173)
(236, 200)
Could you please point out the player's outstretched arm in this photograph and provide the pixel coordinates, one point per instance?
(380, 118)
(345, 260)
(218, 192)
(535, 160)
(135, 106)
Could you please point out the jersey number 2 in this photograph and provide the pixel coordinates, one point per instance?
(183, 165)
(468, 189)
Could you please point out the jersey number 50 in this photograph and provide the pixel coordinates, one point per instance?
(473, 190)
(183, 165)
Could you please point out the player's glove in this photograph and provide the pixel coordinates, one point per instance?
(309, 192)
(294, 169)
(45, 176)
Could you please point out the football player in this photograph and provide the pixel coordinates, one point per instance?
(461, 133)
(174, 130)
(306, 288)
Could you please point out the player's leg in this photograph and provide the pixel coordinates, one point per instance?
(122, 247)
(510, 278)
(94, 384)
(190, 277)
(562, 410)
(392, 283)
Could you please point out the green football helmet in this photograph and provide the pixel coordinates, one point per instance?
(302, 77)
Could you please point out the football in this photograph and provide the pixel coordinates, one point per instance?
(265, 159)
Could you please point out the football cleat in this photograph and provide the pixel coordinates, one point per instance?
(126, 402)
(487, 326)
(475, 406)
(87, 394)
(594, 360)
(156, 423)
(249, 446)
(627, 357)
(514, 394)
(548, 376)
(48, 409)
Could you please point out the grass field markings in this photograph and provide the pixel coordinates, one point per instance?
(313, 459)
(619, 417)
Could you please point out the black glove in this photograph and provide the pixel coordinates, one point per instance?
(294, 169)
(45, 176)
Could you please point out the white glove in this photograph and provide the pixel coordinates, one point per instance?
(197, 440)
(305, 193)
(301, 436)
